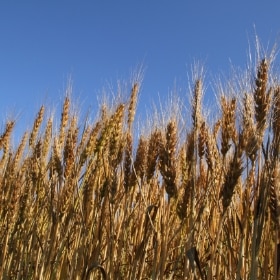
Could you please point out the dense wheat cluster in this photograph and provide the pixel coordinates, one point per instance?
(93, 201)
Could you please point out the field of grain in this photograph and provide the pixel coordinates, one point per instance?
(99, 201)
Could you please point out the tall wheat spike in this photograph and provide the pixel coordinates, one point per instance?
(64, 121)
(228, 124)
(36, 126)
(261, 96)
(132, 104)
(167, 159)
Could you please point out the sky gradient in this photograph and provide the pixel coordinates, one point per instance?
(97, 43)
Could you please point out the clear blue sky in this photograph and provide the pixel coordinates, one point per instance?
(42, 43)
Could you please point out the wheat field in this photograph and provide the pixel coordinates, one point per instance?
(99, 201)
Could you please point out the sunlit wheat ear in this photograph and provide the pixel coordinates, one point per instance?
(212, 154)
(115, 145)
(153, 153)
(36, 126)
(140, 162)
(20, 150)
(202, 140)
(190, 148)
(132, 104)
(167, 159)
(47, 140)
(262, 96)
(274, 195)
(196, 104)
(56, 159)
(248, 125)
(275, 121)
(108, 128)
(70, 145)
(228, 129)
(35, 165)
(276, 111)
(64, 121)
(5, 137)
(5, 142)
(127, 161)
(249, 138)
(171, 140)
